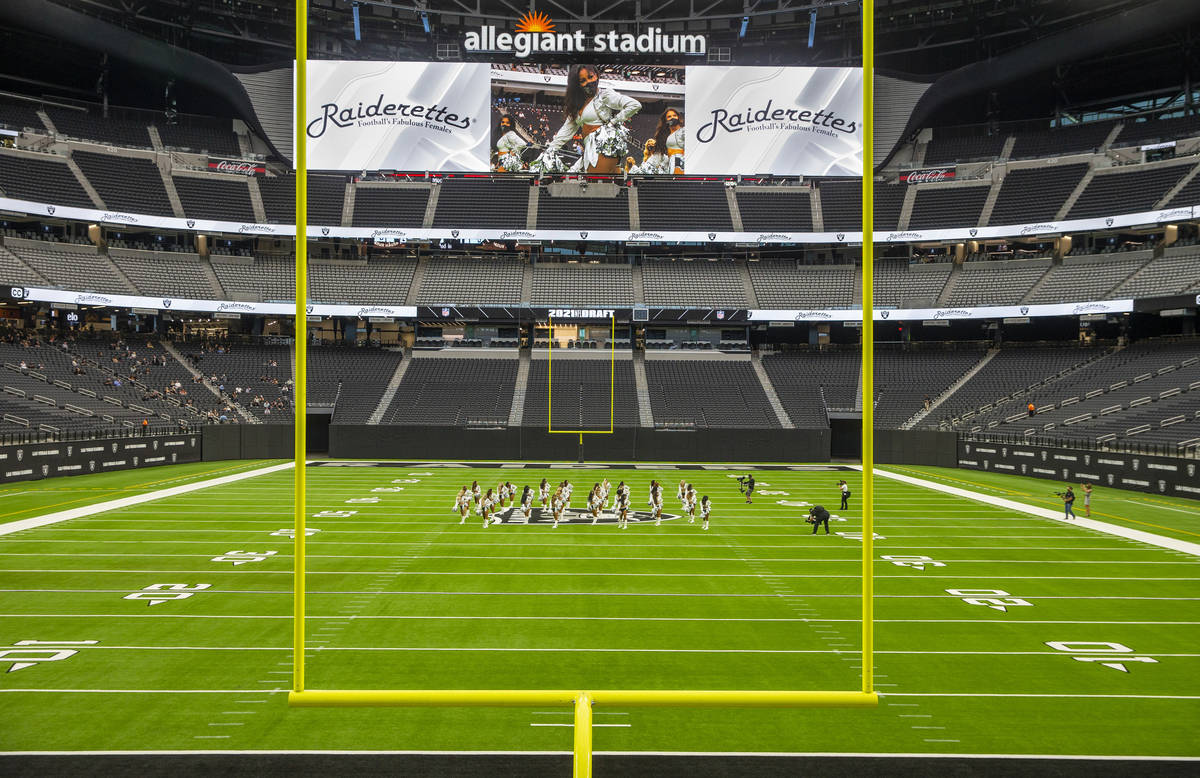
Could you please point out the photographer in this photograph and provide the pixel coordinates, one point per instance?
(817, 515)
(746, 486)
(1068, 498)
(845, 494)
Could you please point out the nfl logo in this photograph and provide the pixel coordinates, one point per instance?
(445, 311)
(720, 314)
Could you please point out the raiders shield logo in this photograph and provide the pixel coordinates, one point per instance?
(324, 230)
(20, 454)
(1066, 473)
(885, 314)
(191, 442)
(841, 236)
(973, 232)
(154, 444)
(50, 209)
(546, 79)
(166, 302)
(135, 461)
(308, 308)
(712, 236)
(454, 233)
(583, 234)
(1024, 468)
(1162, 486)
(1043, 456)
(1109, 221)
(174, 456)
(191, 222)
(114, 447)
(91, 465)
(1024, 309)
(1136, 463)
(1087, 459)
(46, 471)
(1191, 471)
(1110, 478)
(1004, 451)
(516, 515)
(968, 448)
(986, 464)
(69, 450)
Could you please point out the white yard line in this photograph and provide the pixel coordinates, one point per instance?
(1046, 513)
(706, 754)
(124, 502)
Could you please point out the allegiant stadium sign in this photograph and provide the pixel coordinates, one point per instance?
(535, 33)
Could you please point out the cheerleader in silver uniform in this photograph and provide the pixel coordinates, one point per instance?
(544, 493)
(475, 492)
(527, 502)
(689, 503)
(598, 115)
(557, 502)
(681, 494)
(663, 154)
(509, 146)
(486, 506)
(567, 489)
(462, 504)
(595, 502)
(605, 488)
(622, 506)
(705, 509)
(656, 498)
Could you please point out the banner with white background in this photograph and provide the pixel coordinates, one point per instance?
(1044, 230)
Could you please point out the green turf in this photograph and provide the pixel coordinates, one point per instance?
(402, 596)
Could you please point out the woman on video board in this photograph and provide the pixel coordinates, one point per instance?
(508, 146)
(663, 153)
(599, 116)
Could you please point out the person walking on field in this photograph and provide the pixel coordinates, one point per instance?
(1068, 498)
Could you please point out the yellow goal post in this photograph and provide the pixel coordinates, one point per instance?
(583, 700)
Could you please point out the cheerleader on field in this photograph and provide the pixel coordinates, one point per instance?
(475, 492)
(595, 502)
(605, 487)
(689, 503)
(544, 493)
(705, 509)
(622, 506)
(681, 495)
(462, 504)
(557, 502)
(656, 503)
(567, 489)
(486, 505)
(527, 502)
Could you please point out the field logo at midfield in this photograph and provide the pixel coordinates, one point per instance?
(516, 515)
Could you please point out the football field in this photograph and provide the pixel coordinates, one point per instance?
(164, 623)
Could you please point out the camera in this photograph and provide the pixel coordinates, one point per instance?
(742, 483)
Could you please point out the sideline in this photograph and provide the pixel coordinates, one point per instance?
(1046, 513)
(125, 502)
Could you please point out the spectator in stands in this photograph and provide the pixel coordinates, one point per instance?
(600, 116)
(1031, 408)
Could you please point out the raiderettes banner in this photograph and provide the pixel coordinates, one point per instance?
(783, 121)
(398, 116)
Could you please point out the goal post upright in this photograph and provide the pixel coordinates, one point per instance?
(300, 389)
(868, 346)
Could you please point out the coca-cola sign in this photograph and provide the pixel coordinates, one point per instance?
(237, 167)
(929, 175)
